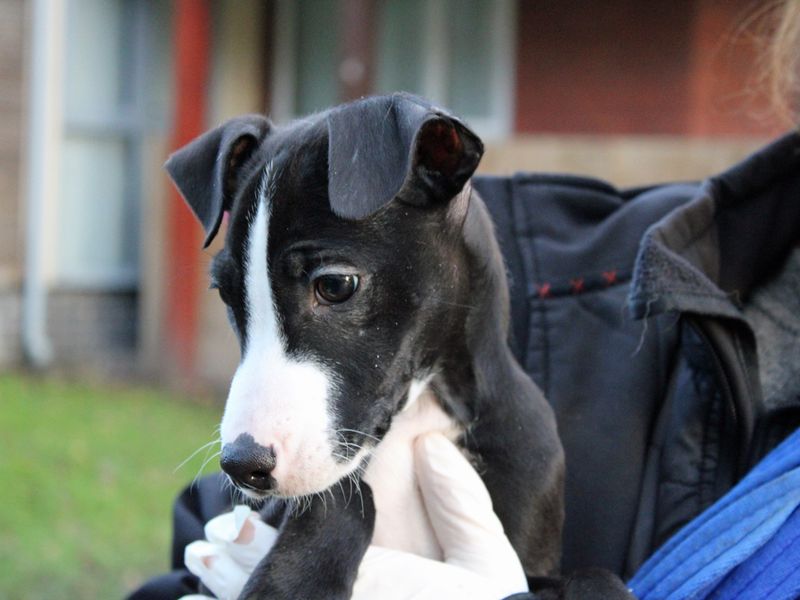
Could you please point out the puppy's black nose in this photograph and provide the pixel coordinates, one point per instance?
(248, 464)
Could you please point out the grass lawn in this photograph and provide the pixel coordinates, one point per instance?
(87, 479)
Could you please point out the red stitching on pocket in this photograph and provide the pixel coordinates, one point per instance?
(610, 277)
(543, 290)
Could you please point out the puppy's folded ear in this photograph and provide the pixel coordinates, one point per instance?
(396, 147)
(207, 169)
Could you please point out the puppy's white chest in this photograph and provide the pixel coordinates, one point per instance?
(401, 521)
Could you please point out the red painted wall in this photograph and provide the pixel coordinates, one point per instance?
(683, 67)
(192, 39)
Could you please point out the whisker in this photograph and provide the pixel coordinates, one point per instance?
(367, 435)
(360, 497)
(203, 466)
(351, 449)
(196, 452)
(294, 507)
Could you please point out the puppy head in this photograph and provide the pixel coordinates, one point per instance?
(340, 274)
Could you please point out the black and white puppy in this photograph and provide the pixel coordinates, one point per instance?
(362, 277)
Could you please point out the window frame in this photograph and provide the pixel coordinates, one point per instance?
(502, 26)
(128, 126)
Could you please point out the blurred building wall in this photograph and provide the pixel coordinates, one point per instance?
(624, 67)
(628, 91)
(111, 98)
(13, 25)
(636, 92)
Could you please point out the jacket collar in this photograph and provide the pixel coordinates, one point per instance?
(707, 255)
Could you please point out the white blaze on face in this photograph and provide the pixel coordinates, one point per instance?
(281, 401)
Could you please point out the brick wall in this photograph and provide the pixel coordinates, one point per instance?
(10, 313)
(628, 67)
(13, 26)
(12, 48)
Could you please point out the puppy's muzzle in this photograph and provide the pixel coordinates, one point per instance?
(248, 464)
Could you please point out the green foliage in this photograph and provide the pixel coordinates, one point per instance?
(87, 479)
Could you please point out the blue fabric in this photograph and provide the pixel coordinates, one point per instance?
(771, 572)
(737, 542)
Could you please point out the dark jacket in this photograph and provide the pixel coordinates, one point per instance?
(627, 311)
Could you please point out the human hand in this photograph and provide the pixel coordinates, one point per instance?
(479, 562)
(235, 542)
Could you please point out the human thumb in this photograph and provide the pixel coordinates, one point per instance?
(460, 509)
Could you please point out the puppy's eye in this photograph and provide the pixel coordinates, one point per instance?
(335, 289)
